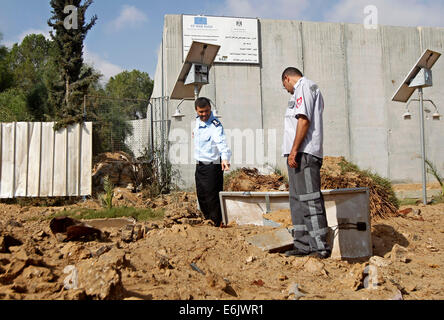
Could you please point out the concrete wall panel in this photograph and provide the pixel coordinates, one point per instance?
(366, 100)
(358, 71)
(35, 139)
(21, 159)
(47, 162)
(281, 50)
(433, 38)
(324, 63)
(7, 160)
(401, 49)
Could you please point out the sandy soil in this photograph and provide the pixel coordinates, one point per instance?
(183, 257)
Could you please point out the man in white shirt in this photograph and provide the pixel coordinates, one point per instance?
(302, 145)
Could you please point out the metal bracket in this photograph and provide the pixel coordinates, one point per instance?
(267, 201)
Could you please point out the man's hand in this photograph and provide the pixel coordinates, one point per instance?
(225, 165)
(301, 133)
(292, 160)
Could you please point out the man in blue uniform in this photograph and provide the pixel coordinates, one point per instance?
(212, 159)
(303, 147)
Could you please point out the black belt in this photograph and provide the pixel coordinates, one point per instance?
(287, 155)
(200, 163)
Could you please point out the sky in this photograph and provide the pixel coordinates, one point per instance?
(128, 33)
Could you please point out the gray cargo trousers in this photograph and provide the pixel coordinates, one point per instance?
(307, 205)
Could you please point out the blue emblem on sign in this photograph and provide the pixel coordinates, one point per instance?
(200, 20)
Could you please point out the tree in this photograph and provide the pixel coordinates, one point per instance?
(6, 78)
(33, 67)
(75, 77)
(131, 85)
(111, 125)
(29, 59)
(13, 106)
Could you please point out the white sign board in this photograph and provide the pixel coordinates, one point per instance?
(238, 37)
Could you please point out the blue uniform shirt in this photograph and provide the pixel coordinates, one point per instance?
(209, 141)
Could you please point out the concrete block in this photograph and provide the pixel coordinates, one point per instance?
(348, 206)
(277, 240)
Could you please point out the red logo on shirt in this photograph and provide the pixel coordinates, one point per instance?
(299, 102)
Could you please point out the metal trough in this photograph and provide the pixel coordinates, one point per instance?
(343, 206)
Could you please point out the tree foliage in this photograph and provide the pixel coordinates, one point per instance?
(46, 80)
(131, 85)
(32, 64)
(111, 125)
(13, 106)
(111, 113)
(75, 77)
(6, 78)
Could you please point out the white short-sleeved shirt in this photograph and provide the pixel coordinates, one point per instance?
(307, 100)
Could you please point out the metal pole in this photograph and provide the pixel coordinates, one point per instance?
(196, 92)
(423, 167)
(152, 129)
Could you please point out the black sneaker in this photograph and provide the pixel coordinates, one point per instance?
(296, 253)
(320, 255)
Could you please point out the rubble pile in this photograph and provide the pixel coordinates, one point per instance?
(179, 208)
(247, 179)
(382, 198)
(123, 171)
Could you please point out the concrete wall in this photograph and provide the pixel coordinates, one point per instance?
(358, 71)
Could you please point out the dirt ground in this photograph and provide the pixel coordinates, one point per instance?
(415, 186)
(183, 257)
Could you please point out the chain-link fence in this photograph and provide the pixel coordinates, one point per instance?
(137, 127)
(159, 129)
(118, 124)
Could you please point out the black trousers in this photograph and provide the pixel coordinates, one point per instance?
(209, 182)
(307, 205)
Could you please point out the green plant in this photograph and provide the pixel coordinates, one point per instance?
(159, 177)
(437, 199)
(348, 167)
(434, 171)
(107, 197)
(13, 106)
(75, 77)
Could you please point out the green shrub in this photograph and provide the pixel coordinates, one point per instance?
(13, 106)
(107, 197)
(434, 171)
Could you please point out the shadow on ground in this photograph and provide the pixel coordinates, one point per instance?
(384, 237)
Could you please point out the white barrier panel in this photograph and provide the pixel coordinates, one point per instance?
(344, 208)
(36, 161)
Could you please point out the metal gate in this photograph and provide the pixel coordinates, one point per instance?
(160, 128)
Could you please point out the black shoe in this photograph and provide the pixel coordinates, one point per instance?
(296, 253)
(320, 255)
